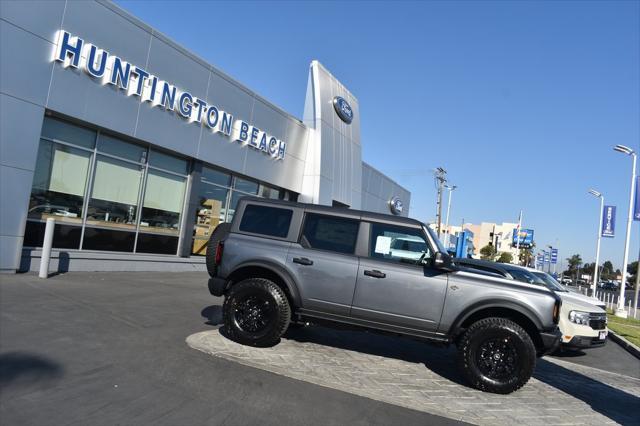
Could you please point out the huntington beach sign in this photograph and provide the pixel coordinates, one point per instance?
(72, 51)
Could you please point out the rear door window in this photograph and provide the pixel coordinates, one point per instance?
(330, 233)
(266, 220)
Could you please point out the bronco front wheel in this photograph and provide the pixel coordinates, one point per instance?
(497, 355)
(256, 312)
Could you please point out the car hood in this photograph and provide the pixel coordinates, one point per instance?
(580, 302)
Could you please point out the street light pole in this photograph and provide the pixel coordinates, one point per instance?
(620, 312)
(595, 270)
(451, 189)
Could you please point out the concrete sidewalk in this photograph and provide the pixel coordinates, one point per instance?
(109, 348)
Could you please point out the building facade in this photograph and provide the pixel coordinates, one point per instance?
(139, 149)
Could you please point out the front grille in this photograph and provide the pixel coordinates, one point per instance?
(598, 321)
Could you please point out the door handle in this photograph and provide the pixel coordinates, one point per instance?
(303, 261)
(375, 273)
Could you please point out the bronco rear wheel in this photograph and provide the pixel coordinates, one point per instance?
(496, 355)
(256, 312)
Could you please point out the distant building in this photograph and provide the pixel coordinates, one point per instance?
(499, 235)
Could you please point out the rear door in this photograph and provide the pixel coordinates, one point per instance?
(395, 286)
(324, 262)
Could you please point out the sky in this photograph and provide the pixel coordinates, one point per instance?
(521, 102)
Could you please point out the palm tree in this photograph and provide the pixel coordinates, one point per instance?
(574, 263)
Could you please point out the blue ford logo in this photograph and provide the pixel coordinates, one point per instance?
(395, 205)
(343, 109)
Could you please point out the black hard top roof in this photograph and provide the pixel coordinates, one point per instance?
(346, 212)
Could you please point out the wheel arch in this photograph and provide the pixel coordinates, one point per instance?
(270, 271)
(516, 312)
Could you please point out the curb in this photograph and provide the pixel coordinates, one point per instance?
(627, 345)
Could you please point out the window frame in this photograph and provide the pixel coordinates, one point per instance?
(418, 229)
(354, 253)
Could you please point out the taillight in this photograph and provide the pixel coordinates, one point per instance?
(219, 250)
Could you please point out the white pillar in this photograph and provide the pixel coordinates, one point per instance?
(46, 248)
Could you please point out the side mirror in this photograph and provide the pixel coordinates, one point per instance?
(443, 261)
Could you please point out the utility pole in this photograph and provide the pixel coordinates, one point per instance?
(441, 179)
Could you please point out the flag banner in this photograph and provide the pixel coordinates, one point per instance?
(554, 256)
(609, 221)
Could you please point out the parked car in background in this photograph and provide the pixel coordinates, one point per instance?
(583, 322)
(609, 286)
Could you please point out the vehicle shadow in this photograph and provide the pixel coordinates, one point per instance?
(613, 403)
(618, 405)
(439, 359)
(26, 369)
(213, 315)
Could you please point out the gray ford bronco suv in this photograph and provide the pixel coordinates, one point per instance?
(281, 263)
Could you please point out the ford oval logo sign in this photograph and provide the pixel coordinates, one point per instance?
(395, 205)
(343, 109)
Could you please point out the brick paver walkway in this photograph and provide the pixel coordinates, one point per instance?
(423, 377)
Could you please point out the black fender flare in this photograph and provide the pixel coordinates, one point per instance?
(493, 304)
(280, 271)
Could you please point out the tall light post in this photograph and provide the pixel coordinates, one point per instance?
(620, 312)
(596, 269)
(451, 188)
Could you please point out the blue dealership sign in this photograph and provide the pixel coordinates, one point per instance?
(546, 256)
(636, 208)
(525, 236)
(609, 221)
(554, 256)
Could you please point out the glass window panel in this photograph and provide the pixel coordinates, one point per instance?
(63, 131)
(114, 198)
(160, 244)
(163, 200)
(398, 244)
(235, 197)
(216, 176)
(108, 239)
(59, 182)
(247, 186)
(167, 162)
(210, 213)
(264, 220)
(269, 192)
(64, 236)
(122, 149)
(330, 233)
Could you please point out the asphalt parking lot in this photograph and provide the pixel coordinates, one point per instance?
(109, 348)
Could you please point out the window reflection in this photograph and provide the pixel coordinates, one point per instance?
(210, 213)
(114, 200)
(164, 195)
(59, 182)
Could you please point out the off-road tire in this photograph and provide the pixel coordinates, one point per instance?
(279, 312)
(218, 234)
(480, 339)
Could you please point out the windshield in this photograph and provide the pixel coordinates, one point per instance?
(435, 238)
(550, 282)
(525, 277)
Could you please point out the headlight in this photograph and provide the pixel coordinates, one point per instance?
(579, 317)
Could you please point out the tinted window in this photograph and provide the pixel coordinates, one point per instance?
(398, 244)
(330, 233)
(525, 277)
(265, 220)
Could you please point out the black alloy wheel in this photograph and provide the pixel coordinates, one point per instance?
(255, 312)
(496, 355)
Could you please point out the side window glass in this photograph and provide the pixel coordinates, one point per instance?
(265, 220)
(398, 244)
(330, 233)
